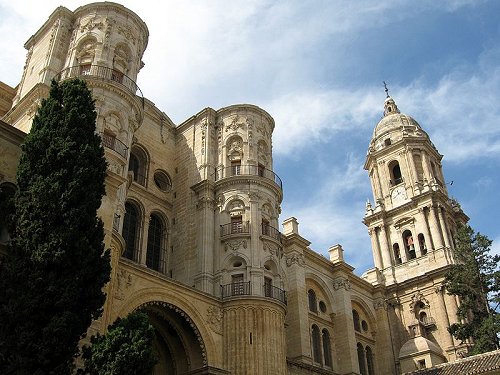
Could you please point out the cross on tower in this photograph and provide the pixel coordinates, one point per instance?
(386, 89)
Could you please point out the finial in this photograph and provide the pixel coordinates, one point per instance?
(386, 89)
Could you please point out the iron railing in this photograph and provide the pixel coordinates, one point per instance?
(247, 170)
(91, 71)
(427, 321)
(235, 228)
(111, 142)
(270, 231)
(274, 292)
(242, 288)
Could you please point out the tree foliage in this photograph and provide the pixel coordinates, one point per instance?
(475, 279)
(126, 349)
(52, 278)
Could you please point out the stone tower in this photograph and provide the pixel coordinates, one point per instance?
(239, 246)
(411, 225)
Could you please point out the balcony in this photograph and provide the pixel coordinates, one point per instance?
(269, 231)
(274, 292)
(245, 289)
(102, 72)
(247, 170)
(239, 227)
(110, 141)
(427, 321)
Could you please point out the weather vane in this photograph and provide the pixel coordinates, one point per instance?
(386, 89)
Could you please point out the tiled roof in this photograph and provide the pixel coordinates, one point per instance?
(486, 363)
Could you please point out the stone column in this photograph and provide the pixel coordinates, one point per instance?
(451, 308)
(143, 240)
(443, 317)
(379, 183)
(411, 162)
(375, 248)
(384, 247)
(425, 229)
(434, 226)
(443, 225)
(426, 166)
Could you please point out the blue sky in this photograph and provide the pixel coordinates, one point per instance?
(317, 67)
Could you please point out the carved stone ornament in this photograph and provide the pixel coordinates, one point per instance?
(380, 303)
(272, 249)
(416, 298)
(91, 25)
(295, 259)
(126, 31)
(214, 319)
(235, 245)
(204, 125)
(341, 283)
(123, 282)
(262, 129)
(235, 124)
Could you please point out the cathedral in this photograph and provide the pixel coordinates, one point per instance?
(191, 215)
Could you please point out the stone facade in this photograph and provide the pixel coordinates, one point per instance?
(191, 216)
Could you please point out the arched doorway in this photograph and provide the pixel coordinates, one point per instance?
(178, 344)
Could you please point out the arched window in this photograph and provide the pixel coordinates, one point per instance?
(313, 305)
(138, 165)
(397, 253)
(409, 244)
(422, 245)
(395, 172)
(327, 352)
(361, 359)
(156, 234)
(130, 232)
(355, 319)
(369, 361)
(316, 344)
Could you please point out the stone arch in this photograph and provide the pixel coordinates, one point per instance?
(139, 163)
(170, 300)
(85, 50)
(263, 153)
(231, 258)
(268, 211)
(236, 204)
(113, 121)
(122, 58)
(366, 312)
(234, 148)
(322, 286)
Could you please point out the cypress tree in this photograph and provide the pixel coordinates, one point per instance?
(475, 279)
(52, 277)
(126, 349)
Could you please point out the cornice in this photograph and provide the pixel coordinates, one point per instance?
(249, 179)
(11, 134)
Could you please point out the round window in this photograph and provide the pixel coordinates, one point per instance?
(364, 325)
(322, 307)
(163, 181)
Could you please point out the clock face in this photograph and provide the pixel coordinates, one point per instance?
(398, 194)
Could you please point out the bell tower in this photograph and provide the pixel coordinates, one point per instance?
(411, 223)
(412, 216)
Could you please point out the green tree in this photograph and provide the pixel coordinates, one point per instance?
(126, 349)
(475, 279)
(52, 278)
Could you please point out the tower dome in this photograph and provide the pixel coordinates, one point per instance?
(393, 126)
